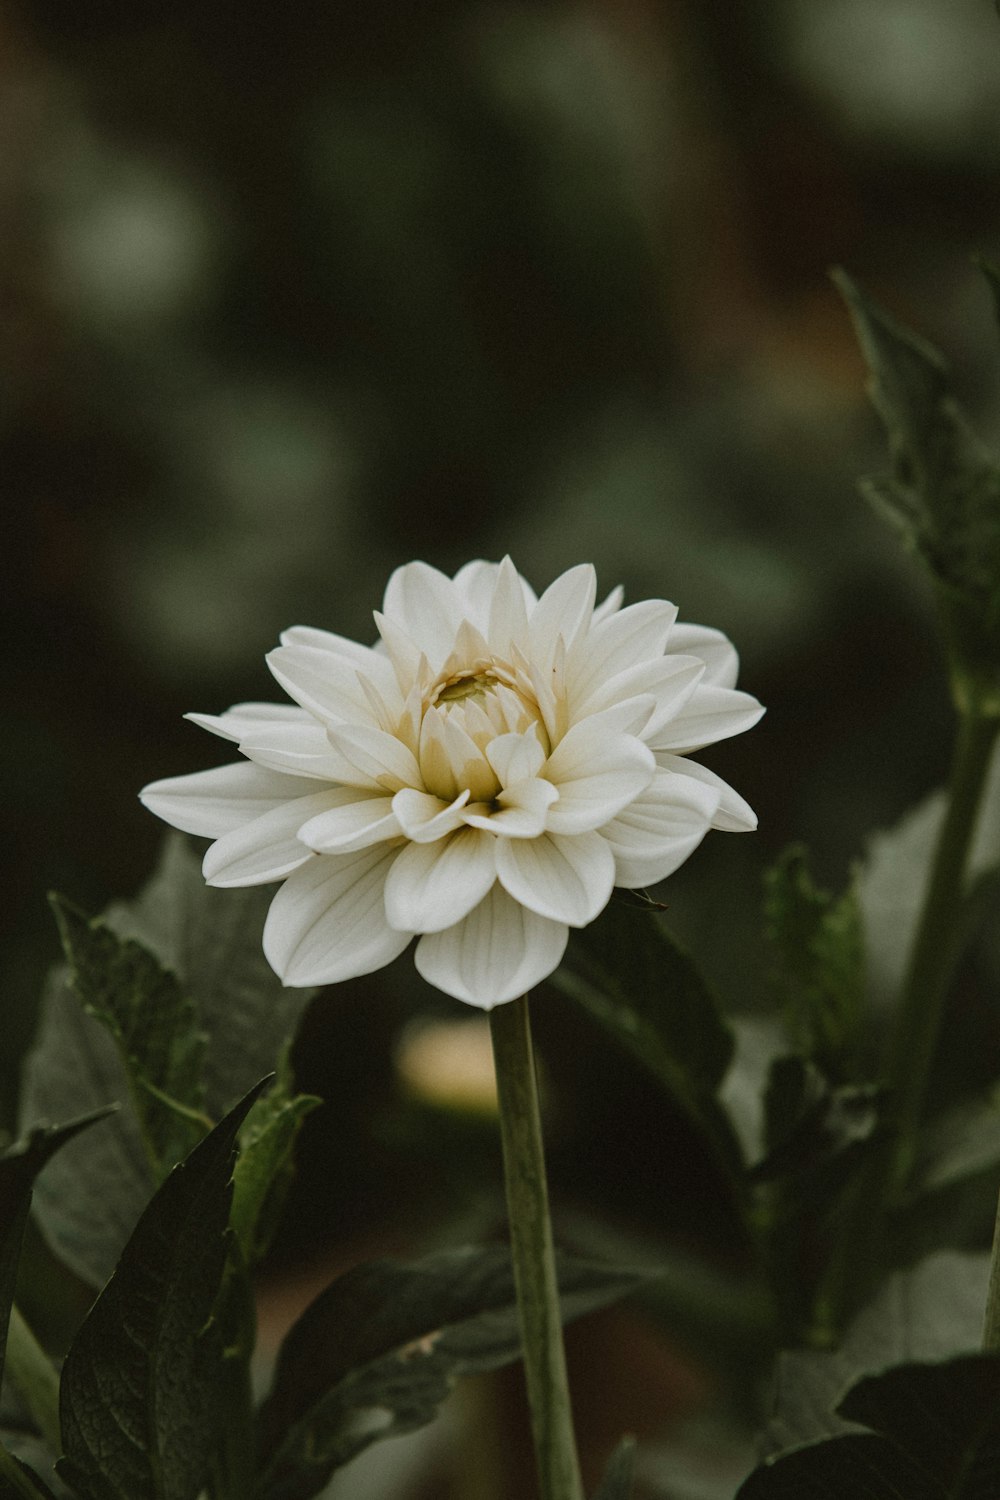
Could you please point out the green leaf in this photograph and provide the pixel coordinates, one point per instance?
(20, 1164)
(153, 1023)
(140, 1380)
(18, 1480)
(211, 939)
(858, 1466)
(265, 1167)
(943, 494)
(958, 1145)
(937, 1437)
(819, 953)
(88, 1198)
(91, 1195)
(932, 1312)
(643, 988)
(378, 1351)
(619, 1476)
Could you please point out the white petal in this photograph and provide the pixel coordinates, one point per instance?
(597, 773)
(564, 610)
(327, 922)
(424, 818)
(352, 820)
(301, 748)
(427, 606)
(215, 802)
(515, 757)
(522, 810)
(722, 664)
(508, 619)
(403, 655)
(378, 759)
(433, 886)
(325, 640)
(633, 635)
(610, 606)
(249, 718)
(654, 835)
(476, 582)
(451, 762)
(330, 685)
(712, 713)
(268, 848)
(494, 954)
(668, 680)
(566, 879)
(733, 814)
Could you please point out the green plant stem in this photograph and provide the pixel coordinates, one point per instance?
(533, 1254)
(33, 1374)
(862, 1250)
(935, 949)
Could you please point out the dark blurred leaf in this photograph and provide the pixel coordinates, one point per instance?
(946, 1417)
(154, 1024)
(141, 1378)
(938, 1438)
(264, 1168)
(858, 1466)
(808, 1122)
(931, 1312)
(378, 1351)
(818, 946)
(960, 1144)
(639, 984)
(211, 939)
(19, 1480)
(20, 1164)
(619, 1476)
(943, 495)
(89, 1197)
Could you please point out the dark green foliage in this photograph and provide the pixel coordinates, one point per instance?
(211, 939)
(264, 1167)
(140, 1382)
(27, 1482)
(377, 1352)
(20, 1164)
(819, 976)
(153, 1023)
(633, 978)
(185, 960)
(620, 1473)
(943, 492)
(935, 1436)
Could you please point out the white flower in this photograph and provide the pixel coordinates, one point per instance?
(481, 778)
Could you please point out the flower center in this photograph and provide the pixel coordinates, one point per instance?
(467, 685)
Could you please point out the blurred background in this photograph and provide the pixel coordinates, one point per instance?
(294, 293)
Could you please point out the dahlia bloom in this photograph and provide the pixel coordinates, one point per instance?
(481, 778)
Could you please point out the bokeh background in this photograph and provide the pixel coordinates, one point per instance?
(294, 293)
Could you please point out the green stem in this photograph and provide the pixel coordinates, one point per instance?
(533, 1255)
(863, 1249)
(991, 1322)
(935, 950)
(33, 1374)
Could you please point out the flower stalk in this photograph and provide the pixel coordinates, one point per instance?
(533, 1254)
(935, 950)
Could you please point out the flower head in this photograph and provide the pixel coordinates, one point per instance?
(481, 778)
